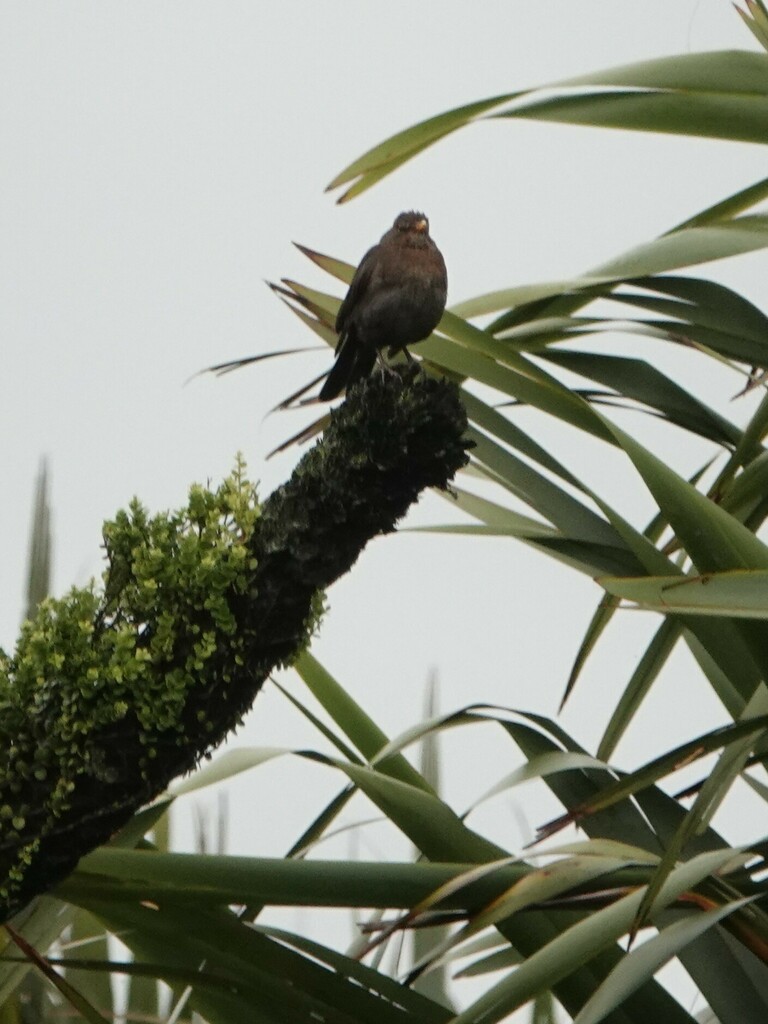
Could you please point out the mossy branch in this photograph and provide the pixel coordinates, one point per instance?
(114, 692)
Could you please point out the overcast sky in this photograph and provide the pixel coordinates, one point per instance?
(157, 161)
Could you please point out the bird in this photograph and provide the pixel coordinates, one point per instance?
(396, 298)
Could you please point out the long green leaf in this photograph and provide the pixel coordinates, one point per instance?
(643, 962)
(742, 593)
(572, 517)
(638, 380)
(88, 941)
(739, 743)
(730, 978)
(39, 560)
(356, 725)
(723, 115)
(667, 763)
(719, 95)
(390, 154)
(69, 992)
(622, 822)
(578, 944)
(714, 539)
(646, 671)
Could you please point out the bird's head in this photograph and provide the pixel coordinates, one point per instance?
(412, 223)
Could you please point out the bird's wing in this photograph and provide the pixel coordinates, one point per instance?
(357, 289)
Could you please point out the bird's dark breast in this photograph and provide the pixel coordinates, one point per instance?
(403, 308)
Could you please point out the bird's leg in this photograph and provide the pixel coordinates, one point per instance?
(414, 367)
(384, 366)
(408, 372)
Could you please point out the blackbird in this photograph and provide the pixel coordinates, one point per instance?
(396, 298)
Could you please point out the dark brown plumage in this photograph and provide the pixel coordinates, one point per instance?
(396, 298)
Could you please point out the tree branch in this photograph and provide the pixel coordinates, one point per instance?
(110, 695)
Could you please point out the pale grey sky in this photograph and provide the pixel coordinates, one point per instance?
(157, 162)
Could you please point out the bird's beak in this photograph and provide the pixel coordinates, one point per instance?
(421, 225)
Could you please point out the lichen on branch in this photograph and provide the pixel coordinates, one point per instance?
(113, 691)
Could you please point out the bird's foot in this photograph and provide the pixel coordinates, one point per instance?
(413, 369)
(384, 368)
(412, 366)
(407, 371)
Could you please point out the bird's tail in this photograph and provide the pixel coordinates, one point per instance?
(353, 363)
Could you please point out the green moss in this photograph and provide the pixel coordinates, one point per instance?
(136, 646)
